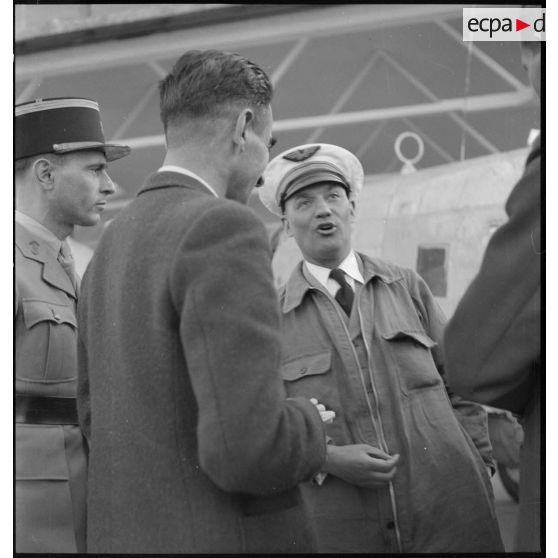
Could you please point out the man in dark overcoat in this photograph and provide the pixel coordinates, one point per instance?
(493, 341)
(194, 446)
(61, 181)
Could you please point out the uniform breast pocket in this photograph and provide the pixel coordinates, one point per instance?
(47, 348)
(309, 376)
(411, 353)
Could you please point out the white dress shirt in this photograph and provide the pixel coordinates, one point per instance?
(349, 265)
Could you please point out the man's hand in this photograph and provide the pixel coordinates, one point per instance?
(506, 435)
(327, 416)
(361, 465)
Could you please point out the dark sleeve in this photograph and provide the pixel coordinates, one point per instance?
(472, 416)
(492, 343)
(251, 439)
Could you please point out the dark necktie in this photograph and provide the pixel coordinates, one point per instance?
(345, 294)
(66, 260)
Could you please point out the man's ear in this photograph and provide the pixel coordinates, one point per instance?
(286, 226)
(243, 121)
(353, 210)
(43, 170)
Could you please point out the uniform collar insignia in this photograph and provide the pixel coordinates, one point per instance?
(35, 247)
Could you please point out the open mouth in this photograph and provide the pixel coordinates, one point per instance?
(326, 228)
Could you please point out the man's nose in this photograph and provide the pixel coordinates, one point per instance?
(322, 207)
(107, 185)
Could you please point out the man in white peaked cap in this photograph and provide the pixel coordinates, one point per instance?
(407, 466)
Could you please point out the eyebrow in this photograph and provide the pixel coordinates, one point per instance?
(301, 194)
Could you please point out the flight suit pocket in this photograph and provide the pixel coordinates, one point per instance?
(312, 376)
(411, 352)
(49, 349)
(307, 376)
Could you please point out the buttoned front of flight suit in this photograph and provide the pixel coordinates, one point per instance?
(50, 460)
(380, 372)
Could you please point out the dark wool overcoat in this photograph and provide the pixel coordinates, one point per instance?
(194, 446)
(493, 341)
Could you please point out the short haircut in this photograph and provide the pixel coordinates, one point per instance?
(22, 165)
(209, 83)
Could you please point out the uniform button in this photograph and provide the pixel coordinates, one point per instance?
(390, 525)
(57, 318)
(303, 370)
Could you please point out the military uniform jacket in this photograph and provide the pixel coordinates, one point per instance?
(50, 459)
(194, 447)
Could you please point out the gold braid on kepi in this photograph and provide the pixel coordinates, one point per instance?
(61, 125)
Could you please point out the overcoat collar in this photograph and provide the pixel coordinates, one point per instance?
(298, 284)
(169, 179)
(34, 248)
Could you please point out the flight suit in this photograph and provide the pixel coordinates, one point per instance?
(381, 372)
(50, 453)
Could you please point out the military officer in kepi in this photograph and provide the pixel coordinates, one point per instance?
(61, 181)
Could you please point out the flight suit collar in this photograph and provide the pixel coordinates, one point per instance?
(300, 281)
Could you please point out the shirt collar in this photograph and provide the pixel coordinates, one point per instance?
(349, 265)
(39, 230)
(299, 283)
(181, 170)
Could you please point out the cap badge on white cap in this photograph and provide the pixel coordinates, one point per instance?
(298, 155)
(302, 166)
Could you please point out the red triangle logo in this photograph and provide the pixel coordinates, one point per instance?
(519, 25)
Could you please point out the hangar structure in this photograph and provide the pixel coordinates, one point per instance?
(356, 75)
